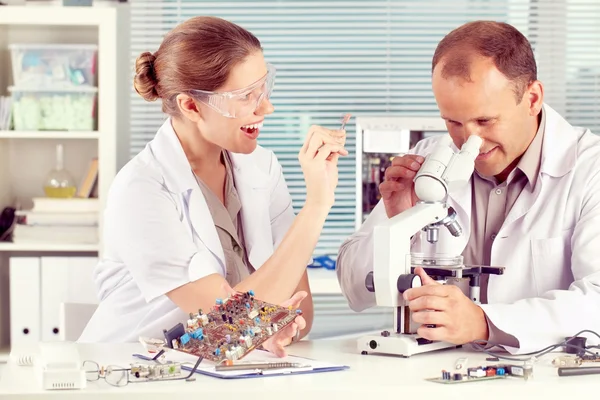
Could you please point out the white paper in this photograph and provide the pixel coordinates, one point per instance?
(255, 356)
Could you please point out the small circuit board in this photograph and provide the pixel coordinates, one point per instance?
(484, 373)
(231, 329)
(156, 372)
(569, 361)
(463, 378)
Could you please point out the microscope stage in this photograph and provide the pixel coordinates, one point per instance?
(399, 344)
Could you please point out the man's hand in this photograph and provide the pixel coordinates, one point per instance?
(457, 319)
(277, 343)
(398, 189)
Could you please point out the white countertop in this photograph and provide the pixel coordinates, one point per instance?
(369, 376)
(323, 281)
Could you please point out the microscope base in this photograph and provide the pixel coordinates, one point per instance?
(397, 344)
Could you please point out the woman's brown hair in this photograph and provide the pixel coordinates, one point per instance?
(197, 54)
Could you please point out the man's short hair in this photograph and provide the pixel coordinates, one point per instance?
(508, 48)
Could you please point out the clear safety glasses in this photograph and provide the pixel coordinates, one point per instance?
(242, 102)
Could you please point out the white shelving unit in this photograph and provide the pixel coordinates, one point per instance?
(27, 156)
(105, 26)
(49, 135)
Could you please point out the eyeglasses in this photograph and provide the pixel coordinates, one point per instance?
(242, 102)
(118, 376)
(112, 374)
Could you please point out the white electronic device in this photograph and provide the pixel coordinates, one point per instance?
(442, 171)
(57, 365)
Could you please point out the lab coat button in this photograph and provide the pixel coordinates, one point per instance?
(498, 191)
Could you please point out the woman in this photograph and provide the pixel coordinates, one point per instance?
(203, 206)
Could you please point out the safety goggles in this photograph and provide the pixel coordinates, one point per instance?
(241, 102)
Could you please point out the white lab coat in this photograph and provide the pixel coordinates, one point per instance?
(548, 244)
(159, 235)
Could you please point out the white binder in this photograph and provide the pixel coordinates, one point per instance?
(64, 280)
(24, 301)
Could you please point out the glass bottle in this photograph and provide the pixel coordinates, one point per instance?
(59, 183)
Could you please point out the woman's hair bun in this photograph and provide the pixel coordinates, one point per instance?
(145, 81)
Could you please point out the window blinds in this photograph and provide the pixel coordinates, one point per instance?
(373, 58)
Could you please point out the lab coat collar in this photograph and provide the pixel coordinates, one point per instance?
(175, 166)
(559, 149)
(251, 184)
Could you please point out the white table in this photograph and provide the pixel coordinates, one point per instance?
(369, 377)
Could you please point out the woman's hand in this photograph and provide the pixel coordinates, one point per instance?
(318, 157)
(276, 344)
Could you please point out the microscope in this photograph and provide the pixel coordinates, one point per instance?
(393, 269)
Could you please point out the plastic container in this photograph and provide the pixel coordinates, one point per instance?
(53, 65)
(56, 110)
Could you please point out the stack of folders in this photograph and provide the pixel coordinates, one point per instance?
(58, 220)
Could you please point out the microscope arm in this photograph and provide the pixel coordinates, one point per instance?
(392, 249)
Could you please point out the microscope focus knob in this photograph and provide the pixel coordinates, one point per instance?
(408, 281)
(370, 282)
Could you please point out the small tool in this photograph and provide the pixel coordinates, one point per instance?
(575, 371)
(345, 120)
(259, 365)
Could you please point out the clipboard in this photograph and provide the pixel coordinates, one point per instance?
(208, 368)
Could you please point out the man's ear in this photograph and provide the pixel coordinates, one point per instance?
(188, 107)
(535, 97)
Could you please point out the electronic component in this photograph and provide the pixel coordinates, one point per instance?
(575, 345)
(567, 361)
(574, 361)
(154, 372)
(234, 327)
(483, 373)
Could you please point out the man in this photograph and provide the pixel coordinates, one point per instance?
(532, 205)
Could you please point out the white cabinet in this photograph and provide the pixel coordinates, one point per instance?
(38, 287)
(26, 157)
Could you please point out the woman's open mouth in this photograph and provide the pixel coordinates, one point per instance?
(252, 130)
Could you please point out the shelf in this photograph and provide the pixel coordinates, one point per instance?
(48, 247)
(48, 135)
(323, 281)
(56, 15)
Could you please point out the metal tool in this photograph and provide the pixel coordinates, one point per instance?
(259, 365)
(345, 120)
(576, 371)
